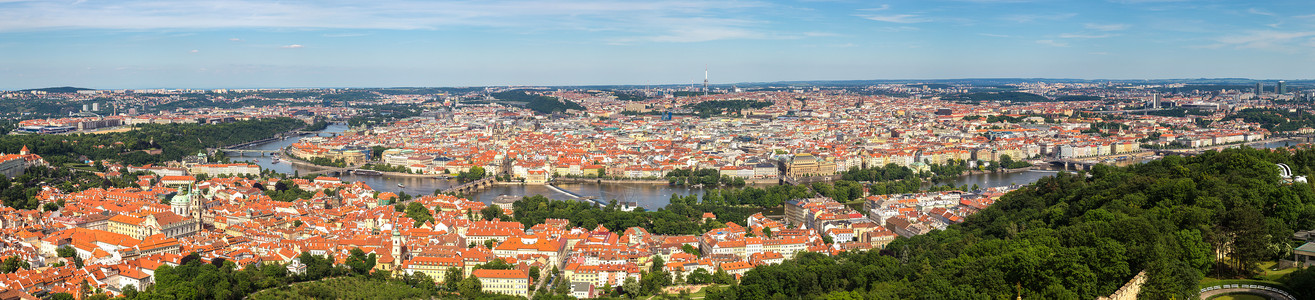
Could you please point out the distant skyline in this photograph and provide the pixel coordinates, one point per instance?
(257, 44)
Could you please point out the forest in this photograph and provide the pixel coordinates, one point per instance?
(999, 96)
(1274, 119)
(1081, 236)
(707, 108)
(681, 216)
(538, 103)
(174, 141)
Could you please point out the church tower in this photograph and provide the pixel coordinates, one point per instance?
(397, 246)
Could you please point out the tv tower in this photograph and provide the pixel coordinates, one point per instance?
(705, 81)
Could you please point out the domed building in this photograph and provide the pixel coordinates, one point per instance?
(805, 164)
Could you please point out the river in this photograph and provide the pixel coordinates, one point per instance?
(649, 196)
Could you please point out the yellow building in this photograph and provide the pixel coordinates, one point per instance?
(435, 267)
(127, 225)
(805, 164)
(506, 282)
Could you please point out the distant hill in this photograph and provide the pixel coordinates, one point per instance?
(64, 89)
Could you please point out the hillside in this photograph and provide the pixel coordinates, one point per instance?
(1074, 236)
(64, 89)
(538, 103)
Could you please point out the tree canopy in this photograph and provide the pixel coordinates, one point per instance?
(1080, 236)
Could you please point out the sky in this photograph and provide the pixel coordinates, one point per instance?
(136, 44)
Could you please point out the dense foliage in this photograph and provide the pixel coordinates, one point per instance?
(999, 96)
(1077, 98)
(174, 141)
(346, 288)
(713, 107)
(220, 279)
(704, 177)
(1274, 119)
(549, 105)
(1074, 236)
(538, 103)
(1180, 112)
(475, 173)
(679, 217)
(12, 263)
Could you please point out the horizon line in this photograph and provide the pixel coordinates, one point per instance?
(673, 84)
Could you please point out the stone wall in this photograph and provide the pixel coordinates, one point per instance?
(1129, 290)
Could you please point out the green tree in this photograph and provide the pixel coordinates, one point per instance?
(471, 287)
(12, 264)
(452, 278)
(418, 213)
(492, 212)
(359, 262)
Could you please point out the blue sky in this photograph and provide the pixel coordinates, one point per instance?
(327, 43)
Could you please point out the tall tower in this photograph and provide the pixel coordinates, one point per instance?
(1155, 101)
(1260, 88)
(1281, 88)
(705, 81)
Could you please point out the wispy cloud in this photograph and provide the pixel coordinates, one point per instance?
(1257, 11)
(343, 34)
(1052, 43)
(293, 46)
(235, 40)
(1106, 27)
(1028, 18)
(1269, 40)
(995, 35)
(635, 18)
(1086, 36)
(194, 51)
(902, 19)
(879, 8)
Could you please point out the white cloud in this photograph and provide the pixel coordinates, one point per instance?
(194, 51)
(1107, 27)
(1262, 12)
(637, 20)
(293, 46)
(995, 35)
(343, 34)
(1052, 43)
(879, 8)
(1086, 36)
(1270, 40)
(1028, 18)
(381, 14)
(235, 40)
(902, 19)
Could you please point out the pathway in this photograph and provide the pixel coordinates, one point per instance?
(1269, 292)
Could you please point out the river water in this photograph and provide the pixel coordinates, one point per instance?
(649, 196)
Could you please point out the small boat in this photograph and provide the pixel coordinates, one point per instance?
(400, 185)
(274, 161)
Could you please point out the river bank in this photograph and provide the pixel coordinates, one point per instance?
(650, 194)
(648, 181)
(1003, 171)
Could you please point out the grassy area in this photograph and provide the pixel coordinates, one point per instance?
(1209, 282)
(79, 166)
(1268, 277)
(1271, 274)
(1239, 296)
